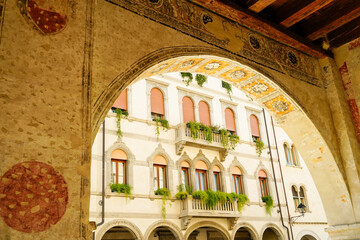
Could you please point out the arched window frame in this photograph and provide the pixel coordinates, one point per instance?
(220, 175)
(288, 154)
(184, 110)
(258, 114)
(157, 170)
(264, 189)
(295, 195)
(169, 169)
(162, 86)
(232, 106)
(303, 199)
(208, 111)
(115, 162)
(129, 164)
(237, 181)
(253, 136)
(295, 155)
(217, 179)
(200, 157)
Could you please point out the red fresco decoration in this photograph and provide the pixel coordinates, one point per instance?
(349, 95)
(48, 16)
(33, 196)
(354, 44)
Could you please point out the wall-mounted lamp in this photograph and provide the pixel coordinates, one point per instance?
(302, 210)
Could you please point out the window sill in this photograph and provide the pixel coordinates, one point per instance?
(153, 197)
(294, 166)
(116, 194)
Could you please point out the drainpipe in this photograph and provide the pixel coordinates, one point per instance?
(282, 179)
(273, 170)
(103, 180)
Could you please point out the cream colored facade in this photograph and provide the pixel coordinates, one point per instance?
(141, 213)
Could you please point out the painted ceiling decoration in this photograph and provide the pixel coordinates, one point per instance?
(254, 84)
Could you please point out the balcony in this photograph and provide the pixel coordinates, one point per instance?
(195, 208)
(183, 138)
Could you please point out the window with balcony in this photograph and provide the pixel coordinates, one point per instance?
(118, 166)
(204, 113)
(157, 104)
(217, 181)
(201, 170)
(159, 168)
(254, 124)
(237, 180)
(121, 101)
(185, 179)
(230, 121)
(263, 183)
(188, 109)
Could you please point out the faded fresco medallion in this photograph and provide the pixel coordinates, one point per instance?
(48, 16)
(33, 196)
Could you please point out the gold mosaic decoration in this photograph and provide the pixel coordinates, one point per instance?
(237, 74)
(187, 64)
(280, 105)
(160, 68)
(258, 88)
(212, 66)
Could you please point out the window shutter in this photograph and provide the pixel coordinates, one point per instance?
(160, 160)
(204, 113)
(121, 101)
(262, 174)
(119, 154)
(157, 101)
(230, 120)
(188, 109)
(254, 124)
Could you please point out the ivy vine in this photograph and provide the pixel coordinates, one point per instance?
(119, 115)
(227, 86)
(187, 77)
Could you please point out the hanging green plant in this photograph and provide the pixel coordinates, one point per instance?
(119, 115)
(200, 79)
(165, 193)
(202, 195)
(181, 195)
(207, 132)
(187, 77)
(194, 129)
(224, 138)
(227, 86)
(184, 188)
(234, 140)
(121, 188)
(242, 199)
(164, 124)
(259, 146)
(268, 204)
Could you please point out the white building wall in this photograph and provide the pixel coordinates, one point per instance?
(144, 208)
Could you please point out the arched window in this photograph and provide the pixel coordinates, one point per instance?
(217, 181)
(254, 124)
(289, 159)
(185, 179)
(157, 104)
(121, 101)
(230, 121)
(201, 175)
(118, 166)
(263, 183)
(159, 168)
(188, 109)
(295, 196)
(294, 155)
(302, 196)
(237, 180)
(204, 113)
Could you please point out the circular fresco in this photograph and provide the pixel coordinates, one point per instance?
(33, 196)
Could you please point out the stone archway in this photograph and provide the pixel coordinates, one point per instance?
(122, 226)
(314, 138)
(206, 230)
(163, 230)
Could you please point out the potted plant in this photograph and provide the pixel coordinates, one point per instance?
(259, 146)
(268, 204)
(121, 188)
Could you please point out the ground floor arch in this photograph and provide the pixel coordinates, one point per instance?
(206, 229)
(118, 228)
(163, 230)
(271, 234)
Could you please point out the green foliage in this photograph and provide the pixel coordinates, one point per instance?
(207, 132)
(121, 188)
(166, 195)
(187, 77)
(194, 129)
(242, 199)
(200, 79)
(181, 195)
(184, 188)
(234, 140)
(202, 195)
(164, 123)
(259, 146)
(268, 204)
(227, 86)
(119, 114)
(224, 138)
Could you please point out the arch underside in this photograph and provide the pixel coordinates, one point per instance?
(263, 86)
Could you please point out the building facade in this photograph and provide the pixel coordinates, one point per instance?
(139, 152)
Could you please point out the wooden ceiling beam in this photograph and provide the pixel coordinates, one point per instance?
(260, 5)
(344, 34)
(251, 20)
(304, 12)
